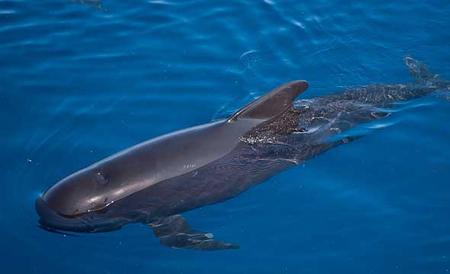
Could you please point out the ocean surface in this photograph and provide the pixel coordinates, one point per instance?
(82, 80)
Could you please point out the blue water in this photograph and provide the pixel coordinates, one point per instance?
(79, 82)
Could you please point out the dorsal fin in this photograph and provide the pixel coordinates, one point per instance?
(271, 104)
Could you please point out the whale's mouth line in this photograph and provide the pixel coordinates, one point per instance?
(99, 210)
(53, 221)
(56, 222)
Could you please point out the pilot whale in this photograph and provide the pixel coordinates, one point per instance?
(156, 181)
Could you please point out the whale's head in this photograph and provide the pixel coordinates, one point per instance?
(79, 202)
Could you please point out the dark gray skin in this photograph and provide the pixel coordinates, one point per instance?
(155, 181)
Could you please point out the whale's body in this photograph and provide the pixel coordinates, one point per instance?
(155, 181)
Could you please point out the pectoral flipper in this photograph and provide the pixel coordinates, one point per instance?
(174, 231)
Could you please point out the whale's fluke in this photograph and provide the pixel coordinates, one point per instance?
(174, 231)
(272, 104)
(420, 72)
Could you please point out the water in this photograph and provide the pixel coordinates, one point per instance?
(79, 82)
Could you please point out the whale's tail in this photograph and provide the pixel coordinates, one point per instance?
(420, 72)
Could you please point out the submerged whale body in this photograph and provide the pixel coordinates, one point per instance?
(155, 181)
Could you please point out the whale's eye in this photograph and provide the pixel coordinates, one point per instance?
(101, 178)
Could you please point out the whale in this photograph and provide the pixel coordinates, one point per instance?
(156, 181)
